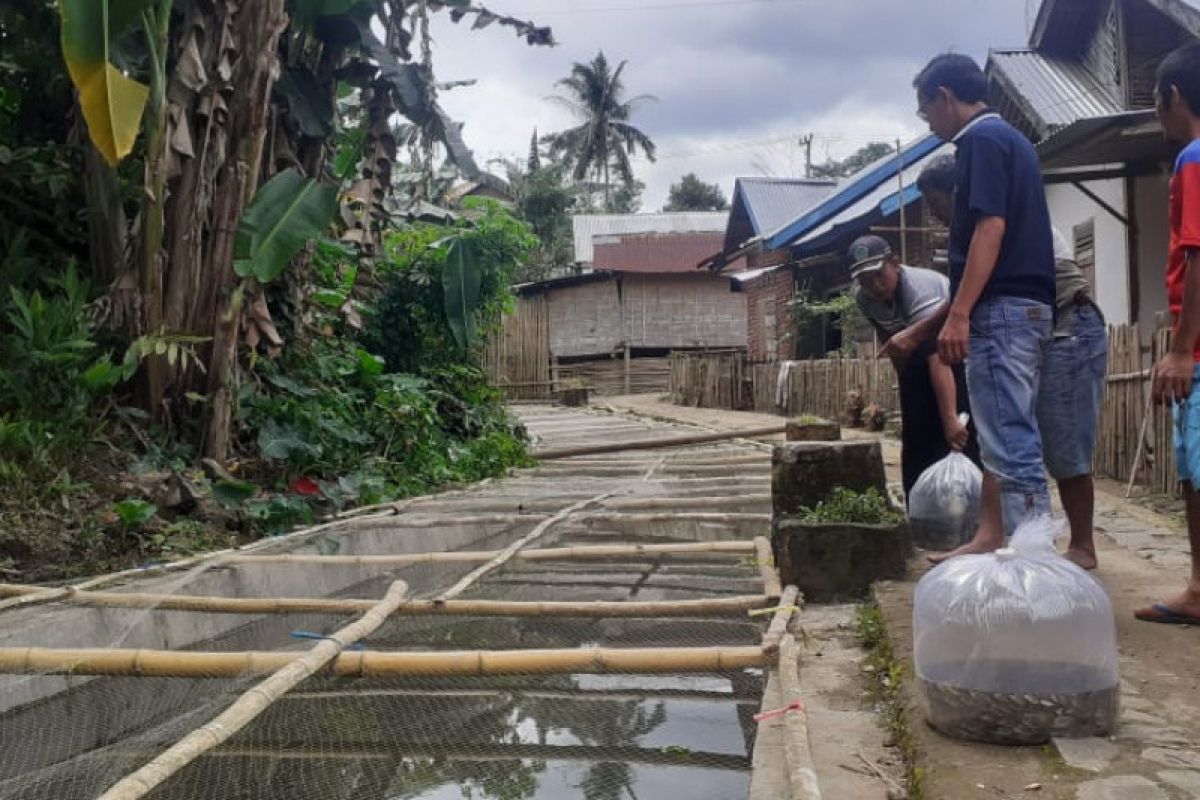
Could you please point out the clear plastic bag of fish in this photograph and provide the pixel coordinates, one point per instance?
(1016, 646)
(943, 506)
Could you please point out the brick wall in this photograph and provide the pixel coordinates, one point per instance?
(768, 322)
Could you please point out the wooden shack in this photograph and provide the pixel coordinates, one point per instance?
(614, 328)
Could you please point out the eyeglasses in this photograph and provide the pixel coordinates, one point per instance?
(923, 105)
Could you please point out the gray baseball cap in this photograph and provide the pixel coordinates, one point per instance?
(867, 254)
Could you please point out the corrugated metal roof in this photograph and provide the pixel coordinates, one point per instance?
(772, 202)
(1057, 91)
(879, 202)
(869, 185)
(586, 226)
(654, 252)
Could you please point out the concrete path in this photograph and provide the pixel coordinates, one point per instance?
(1155, 754)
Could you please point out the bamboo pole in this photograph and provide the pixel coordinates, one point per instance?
(578, 552)
(766, 567)
(788, 603)
(474, 608)
(371, 664)
(651, 444)
(212, 559)
(802, 775)
(254, 701)
(507, 553)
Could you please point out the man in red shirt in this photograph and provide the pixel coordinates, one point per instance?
(1177, 102)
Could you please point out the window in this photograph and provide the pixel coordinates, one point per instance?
(1085, 250)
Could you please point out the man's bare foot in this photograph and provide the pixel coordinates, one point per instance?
(1084, 557)
(976, 546)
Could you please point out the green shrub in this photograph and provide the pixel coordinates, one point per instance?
(844, 505)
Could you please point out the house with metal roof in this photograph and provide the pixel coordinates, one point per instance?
(801, 253)
(615, 326)
(586, 227)
(761, 205)
(1082, 91)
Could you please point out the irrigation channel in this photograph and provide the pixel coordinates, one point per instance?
(602, 626)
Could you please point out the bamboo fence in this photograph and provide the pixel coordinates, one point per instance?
(820, 386)
(1133, 436)
(709, 380)
(1124, 407)
(517, 357)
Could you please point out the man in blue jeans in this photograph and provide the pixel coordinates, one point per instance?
(1072, 385)
(1001, 257)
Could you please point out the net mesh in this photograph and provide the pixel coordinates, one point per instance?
(596, 736)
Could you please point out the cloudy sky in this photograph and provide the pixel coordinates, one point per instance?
(737, 82)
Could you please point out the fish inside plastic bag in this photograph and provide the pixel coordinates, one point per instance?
(1018, 645)
(943, 506)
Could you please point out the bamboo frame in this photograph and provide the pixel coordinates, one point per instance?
(802, 775)
(372, 664)
(779, 620)
(206, 561)
(651, 444)
(507, 553)
(474, 608)
(578, 552)
(772, 587)
(254, 701)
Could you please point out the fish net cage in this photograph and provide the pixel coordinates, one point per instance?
(506, 658)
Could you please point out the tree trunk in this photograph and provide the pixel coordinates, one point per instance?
(259, 25)
(107, 225)
(154, 201)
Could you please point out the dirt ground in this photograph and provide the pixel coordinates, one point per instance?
(1155, 754)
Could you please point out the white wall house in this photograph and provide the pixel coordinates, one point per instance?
(1082, 91)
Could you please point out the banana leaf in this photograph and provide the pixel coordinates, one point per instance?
(112, 102)
(461, 279)
(288, 212)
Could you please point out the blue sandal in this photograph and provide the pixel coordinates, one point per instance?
(1165, 615)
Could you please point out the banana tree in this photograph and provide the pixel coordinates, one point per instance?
(114, 105)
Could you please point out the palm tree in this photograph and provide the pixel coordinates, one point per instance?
(604, 138)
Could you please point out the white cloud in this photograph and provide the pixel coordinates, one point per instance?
(727, 77)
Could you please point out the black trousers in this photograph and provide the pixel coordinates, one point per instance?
(922, 440)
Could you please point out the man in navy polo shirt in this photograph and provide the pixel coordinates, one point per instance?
(1001, 256)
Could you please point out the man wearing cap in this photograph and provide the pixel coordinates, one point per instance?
(895, 297)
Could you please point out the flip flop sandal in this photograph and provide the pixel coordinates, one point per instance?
(1166, 615)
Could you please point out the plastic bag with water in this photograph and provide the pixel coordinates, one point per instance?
(943, 506)
(1016, 646)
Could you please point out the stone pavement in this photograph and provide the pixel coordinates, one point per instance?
(1155, 754)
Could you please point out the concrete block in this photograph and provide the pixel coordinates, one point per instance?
(804, 473)
(1120, 787)
(573, 397)
(837, 561)
(799, 429)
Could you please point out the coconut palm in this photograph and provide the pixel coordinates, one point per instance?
(605, 138)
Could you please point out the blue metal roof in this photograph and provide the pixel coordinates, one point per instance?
(772, 202)
(855, 188)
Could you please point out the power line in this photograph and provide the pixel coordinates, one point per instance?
(754, 144)
(649, 7)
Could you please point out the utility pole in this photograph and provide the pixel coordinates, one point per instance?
(806, 141)
(903, 226)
